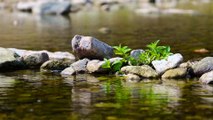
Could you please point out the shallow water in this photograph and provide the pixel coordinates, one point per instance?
(30, 95)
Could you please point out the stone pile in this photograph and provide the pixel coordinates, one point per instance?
(90, 53)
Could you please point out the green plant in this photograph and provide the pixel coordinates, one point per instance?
(122, 51)
(154, 52)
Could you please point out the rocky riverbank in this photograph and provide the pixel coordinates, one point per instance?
(89, 58)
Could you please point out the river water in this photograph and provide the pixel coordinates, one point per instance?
(30, 95)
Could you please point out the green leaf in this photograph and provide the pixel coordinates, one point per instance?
(116, 66)
(107, 64)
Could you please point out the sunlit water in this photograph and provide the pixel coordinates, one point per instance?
(30, 95)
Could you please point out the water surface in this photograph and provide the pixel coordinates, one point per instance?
(30, 95)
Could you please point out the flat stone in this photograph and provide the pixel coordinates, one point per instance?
(171, 62)
(175, 73)
(143, 71)
(55, 65)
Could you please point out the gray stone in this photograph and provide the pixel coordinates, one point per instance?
(76, 67)
(52, 7)
(35, 60)
(207, 78)
(143, 71)
(52, 55)
(8, 61)
(68, 71)
(175, 73)
(55, 65)
(203, 66)
(171, 62)
(89, 47)
(136, 53)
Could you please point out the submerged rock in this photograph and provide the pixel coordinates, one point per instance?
(35, 60)
(175, 73)
(89, 47)
(76, 67)
(136, 53)
(55, 65)
(143, 71)
(171, 62)
(203, 66)
(207, 78)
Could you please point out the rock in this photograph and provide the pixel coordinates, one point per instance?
(52, 7)
(89, 47)
(35, 60)
(187, 64)
(25, 6)
(95, 66)
(104, 30)
(68, 71)
(136, 53)
(143, 71)
(76, 67)
(6, 55)
(8, 61)
(175, 73)
(55, 65)
(207, 78)
(203, 66)
(52, 55)
(202, 50)
(130, 77)
(172, 61)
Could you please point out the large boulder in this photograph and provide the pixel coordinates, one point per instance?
(207, 78)
(175, 73)
(76, 67)
(89, 47)
(51, 7)
(203, 66)
(143, 71)
(35, 60)
(55, 65)
(171, 62)
(8, 61)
